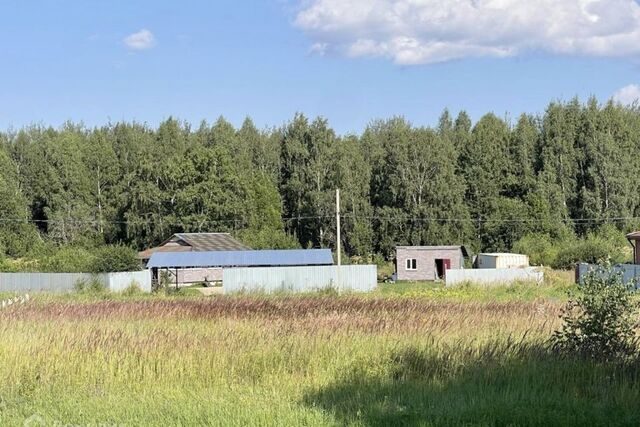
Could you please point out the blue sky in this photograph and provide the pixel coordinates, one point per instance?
(350, 61)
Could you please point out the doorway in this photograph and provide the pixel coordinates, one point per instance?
(442, 265)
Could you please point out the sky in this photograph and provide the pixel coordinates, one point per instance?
(350, 61)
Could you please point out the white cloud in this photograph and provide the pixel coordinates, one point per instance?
(627, 95)
(141, 40)
(428, 31)
(318, 49)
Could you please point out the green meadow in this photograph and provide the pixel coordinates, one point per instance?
(415, 355)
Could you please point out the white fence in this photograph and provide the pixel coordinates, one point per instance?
(65, 282)
(490, 276)
(356, 278)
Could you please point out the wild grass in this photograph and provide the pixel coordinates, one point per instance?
(301, 360)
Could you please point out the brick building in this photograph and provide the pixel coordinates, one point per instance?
(415, 263)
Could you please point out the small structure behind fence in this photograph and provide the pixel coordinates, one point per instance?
(630, 272)
(349, 278)
(65, 282)
(490, 276)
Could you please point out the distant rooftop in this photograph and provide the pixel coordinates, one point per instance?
(260, 258)
(635, 235)
(464, 250)
(196, 242)
(499, 254)
(204, 242)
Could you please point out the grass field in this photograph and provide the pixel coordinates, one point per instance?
(409, 355)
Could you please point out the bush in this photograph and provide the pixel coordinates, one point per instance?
(599, 323)
(132, 290)
(539, 247)
(67, 260)
(607, 244)
(93, 285)
(109, 259)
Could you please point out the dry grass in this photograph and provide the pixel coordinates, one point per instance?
(305, 360)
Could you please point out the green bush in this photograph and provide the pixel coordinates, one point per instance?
(67, 260)
(539, 247)
(607, 244)
(591, 250)
(115, 258)
(93, 286)
(599, 323)
(132, 290)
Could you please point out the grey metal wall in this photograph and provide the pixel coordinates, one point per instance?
(488, 276)
(65, 282)
(630, 272)
(357, 278)
(52, 282)
(118, 282)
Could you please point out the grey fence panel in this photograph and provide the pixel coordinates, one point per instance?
(118, 282)
(630, 272)
(65, 282)
(491, 276)
(51, 282)
(356, 278)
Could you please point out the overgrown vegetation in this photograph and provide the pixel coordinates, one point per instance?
(601, 321)
(75, 259)
(604, 245)
(303, 360)
(542, 183)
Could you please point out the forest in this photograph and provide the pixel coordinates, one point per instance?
(526, 184)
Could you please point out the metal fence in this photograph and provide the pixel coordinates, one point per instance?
(356, 278)
(630, 272)
(65, 282)
(490, 276)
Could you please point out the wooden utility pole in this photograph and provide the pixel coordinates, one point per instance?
(338, 245)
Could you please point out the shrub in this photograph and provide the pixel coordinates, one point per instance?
(115, 258)
(67, 260)
(132, 290)
(591, 251)
(599, 323)
(539, 247)
(92, 285)
(607, 244)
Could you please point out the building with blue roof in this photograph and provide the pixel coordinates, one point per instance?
(193, 267)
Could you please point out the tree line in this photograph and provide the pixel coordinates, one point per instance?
(489, 185)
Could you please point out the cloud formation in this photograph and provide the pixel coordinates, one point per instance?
(429, 31)
(141, 40)
(627, 95)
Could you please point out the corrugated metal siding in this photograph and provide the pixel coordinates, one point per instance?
(242, 258)
(65, 282)
(52, 282)
(494, 276)
(118, 282)
(630, 272)
(358, 278)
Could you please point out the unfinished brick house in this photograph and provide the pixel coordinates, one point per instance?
(414, 263)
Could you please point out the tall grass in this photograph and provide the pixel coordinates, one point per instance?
(321, 360)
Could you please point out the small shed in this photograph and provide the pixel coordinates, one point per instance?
(502, 260)
(194, 267)
(428, 262)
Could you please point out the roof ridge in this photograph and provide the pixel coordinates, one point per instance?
(206, 232)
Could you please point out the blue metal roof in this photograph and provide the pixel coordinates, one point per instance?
(261, 258)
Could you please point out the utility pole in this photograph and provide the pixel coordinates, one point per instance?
(338, 245)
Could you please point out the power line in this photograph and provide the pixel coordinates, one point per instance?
(312, 217)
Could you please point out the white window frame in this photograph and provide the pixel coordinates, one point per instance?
(411, 264)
